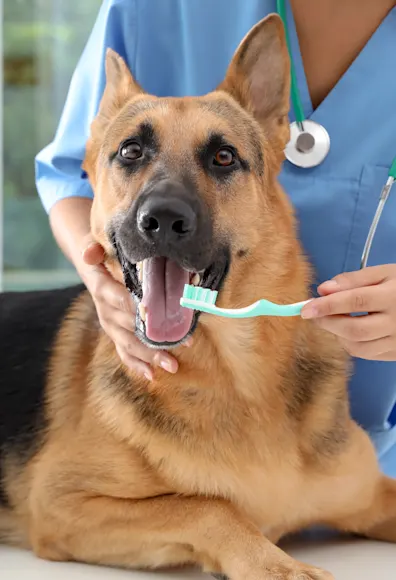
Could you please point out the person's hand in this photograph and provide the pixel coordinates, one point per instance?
(116, 311)
(371, 291)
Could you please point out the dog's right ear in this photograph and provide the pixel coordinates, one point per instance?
(120, 88)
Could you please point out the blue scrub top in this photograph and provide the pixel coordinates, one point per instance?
(183, 47)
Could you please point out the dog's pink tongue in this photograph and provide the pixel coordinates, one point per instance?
(163, 285)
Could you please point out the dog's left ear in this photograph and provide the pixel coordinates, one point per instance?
(120, 88)
(258, 77)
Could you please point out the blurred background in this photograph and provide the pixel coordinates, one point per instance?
(41, 43)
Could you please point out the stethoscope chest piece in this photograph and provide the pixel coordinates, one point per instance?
(309, 144)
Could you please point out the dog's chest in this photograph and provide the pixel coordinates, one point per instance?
(267, 493)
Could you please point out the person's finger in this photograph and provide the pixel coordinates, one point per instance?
(357, 328)
(369, 299)
(132, 345)
(110, 292)
(366, 277)
(119, 318)
(166, 361)
(386, 356)
(134, 363)
(372, 350)
(93, 253)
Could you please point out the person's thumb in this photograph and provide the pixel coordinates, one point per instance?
(93, 253)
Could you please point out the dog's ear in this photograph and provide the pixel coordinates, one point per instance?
(120, 88)
(258, 77)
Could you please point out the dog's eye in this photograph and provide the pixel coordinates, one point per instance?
(131, 150)
(224, 157)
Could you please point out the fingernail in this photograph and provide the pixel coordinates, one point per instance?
(87, 247)
(164, 363)
(145, 372)
(167, 366)
(309, 312)
(330, 285)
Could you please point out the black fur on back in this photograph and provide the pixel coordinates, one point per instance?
(29, 322)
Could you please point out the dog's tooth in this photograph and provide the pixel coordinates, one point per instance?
(142, 312)
(139, 267)
(195, 280)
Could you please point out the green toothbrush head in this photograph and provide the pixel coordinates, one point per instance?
(193, 294)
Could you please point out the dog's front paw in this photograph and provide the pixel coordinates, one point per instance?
(295, 571)
(292, 572)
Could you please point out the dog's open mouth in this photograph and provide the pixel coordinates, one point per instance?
(157, 285)
(162, 284)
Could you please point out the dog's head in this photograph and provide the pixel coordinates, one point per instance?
(185, 187)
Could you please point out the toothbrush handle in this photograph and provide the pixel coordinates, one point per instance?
(259, 308)
(271, 309)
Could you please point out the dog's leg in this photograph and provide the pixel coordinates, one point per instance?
(381, 522)
(358, 497)
(378, 520)
(162, 531)
(274, 536)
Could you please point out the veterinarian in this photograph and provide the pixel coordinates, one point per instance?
(344, 59)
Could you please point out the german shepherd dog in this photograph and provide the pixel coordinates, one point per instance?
(252, 439)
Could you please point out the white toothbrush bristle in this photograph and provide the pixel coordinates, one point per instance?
(197, 294)
(213, 297)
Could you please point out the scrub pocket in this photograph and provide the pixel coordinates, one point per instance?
(325, 209)
(383, 250)
(334, 216)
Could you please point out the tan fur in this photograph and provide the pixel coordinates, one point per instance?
(252, 438)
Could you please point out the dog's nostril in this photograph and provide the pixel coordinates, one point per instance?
(166, 220)
(180, 227)
(151, 224)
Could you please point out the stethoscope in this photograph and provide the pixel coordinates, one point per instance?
(309, 143)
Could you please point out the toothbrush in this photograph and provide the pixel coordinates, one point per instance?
(204, 299)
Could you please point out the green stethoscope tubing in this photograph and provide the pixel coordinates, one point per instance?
(295, 94)
(300, 118)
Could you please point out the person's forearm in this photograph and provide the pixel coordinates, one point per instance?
(70, 224)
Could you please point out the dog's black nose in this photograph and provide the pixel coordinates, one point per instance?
(166, 219)
(169, 219)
